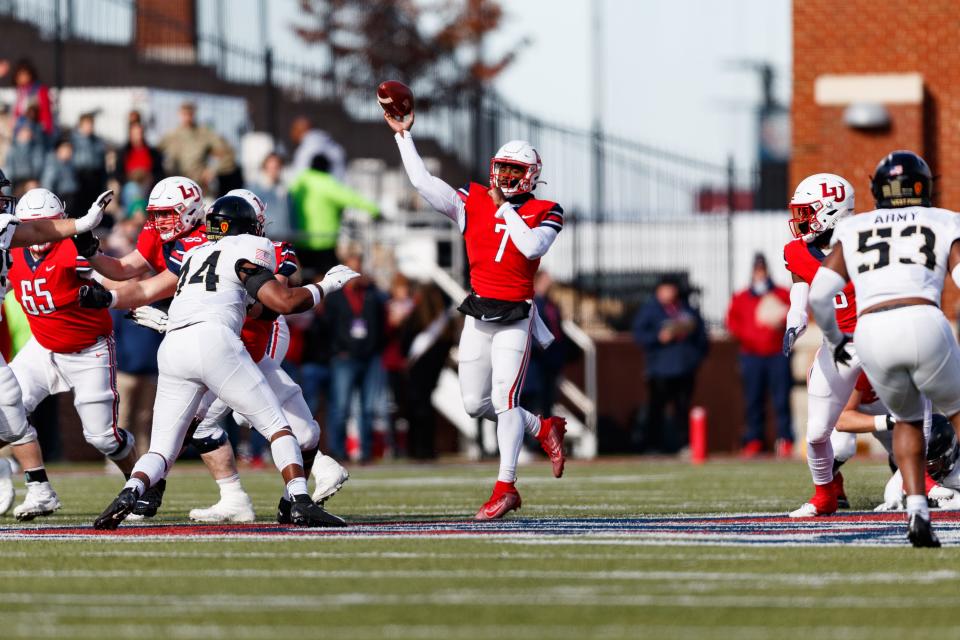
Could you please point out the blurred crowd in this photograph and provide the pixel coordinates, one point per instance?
(366, 355)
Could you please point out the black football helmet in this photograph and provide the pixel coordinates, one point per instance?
(231, 216)
(902, 179)
(943, 449)
(8, 204)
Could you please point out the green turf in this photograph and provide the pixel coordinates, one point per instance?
(478, 588)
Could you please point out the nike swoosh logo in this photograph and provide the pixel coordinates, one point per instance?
(486, 319)
(528, 217)
(491, 511)
(99, 355)
(50, 268)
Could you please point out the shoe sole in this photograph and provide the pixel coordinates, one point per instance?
(320, 499)
(31, 515)
(239, 520)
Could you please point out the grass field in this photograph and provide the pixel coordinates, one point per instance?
(523, 584)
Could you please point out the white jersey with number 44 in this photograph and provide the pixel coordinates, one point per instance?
(898, 253)
(209, 289)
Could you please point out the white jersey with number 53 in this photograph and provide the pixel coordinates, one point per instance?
(209, 289)
(898, 253)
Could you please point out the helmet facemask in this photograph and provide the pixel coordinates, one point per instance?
(167, 222)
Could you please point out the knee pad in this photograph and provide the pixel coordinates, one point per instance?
(476, 406)
(207, 442)
(28, 435)
(844, 445)
(125, 446)
(113, 445)
(306, 433)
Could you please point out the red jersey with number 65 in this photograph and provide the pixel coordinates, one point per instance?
(48, 290)
(803, 260)
(497, 268)
(257, 334)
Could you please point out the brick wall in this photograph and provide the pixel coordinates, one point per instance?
(863, 37)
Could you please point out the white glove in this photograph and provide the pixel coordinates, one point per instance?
(8, 227)
(94, 215)
(790, 338)
(151, 318)
(336, 278)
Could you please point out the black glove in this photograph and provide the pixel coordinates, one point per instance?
(95, 296)
(840, 353)
(86, 243)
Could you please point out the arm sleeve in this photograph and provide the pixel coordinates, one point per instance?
(532, 243)
(824, 287)
(435, 191)
(799, 295)
(347, 197)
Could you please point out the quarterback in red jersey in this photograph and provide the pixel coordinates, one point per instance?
(71, 349)
(507, 230)
(818, 203)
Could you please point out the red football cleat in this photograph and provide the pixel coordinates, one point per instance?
(842, 502)
(751, 449)
(823, 502)
(551, 434)
(928, 482)
(503, 499)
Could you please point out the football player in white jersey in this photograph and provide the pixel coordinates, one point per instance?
(202, 351)
(897, 257)
(14, 428)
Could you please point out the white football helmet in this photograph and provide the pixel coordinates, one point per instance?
(258, 205)
(519, 153)
(40, 204)
(819, 202)
(175, 207)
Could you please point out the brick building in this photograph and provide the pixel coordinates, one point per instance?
(857, 56)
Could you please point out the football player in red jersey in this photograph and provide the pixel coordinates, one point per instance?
(507, 230)
(818, 203)
(14, 428)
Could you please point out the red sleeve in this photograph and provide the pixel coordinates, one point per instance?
(150, 247)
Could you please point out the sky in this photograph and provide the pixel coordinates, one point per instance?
(668, 65)
(668, 73)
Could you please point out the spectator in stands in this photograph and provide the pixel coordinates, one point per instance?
(200, 154)
(674, 340)
(269, 186)
(546, 365)
(30, 92)
(139, 166)
(318, 201)
(136, 376)
(356, 318)
(757, 319)
(6, 135)
(309, 142)
(89, 159)
(398, 308)
(59, 174)
(427, 336)
(26, 157)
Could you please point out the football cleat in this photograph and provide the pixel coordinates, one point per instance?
(551, 434)
(920, 533)
(7, 492)
(283, 512)
(119, 509)
(823, 502)
(842, 501)
(504, 499)
(151, 500)
(41, 500)
(783, 448)
(751, 449)
(304, 513)
(233, 509)
(329, 477)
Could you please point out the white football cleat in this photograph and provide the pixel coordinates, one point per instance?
(41, 500)
(806, 510)
(232, 509)
(7, 492)
(329, 477)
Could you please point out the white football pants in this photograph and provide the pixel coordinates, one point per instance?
(492, 363)
(908, 353)
(14, 428)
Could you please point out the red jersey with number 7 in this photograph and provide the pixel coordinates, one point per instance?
(48, 290)
(497, 268)
(803, 260)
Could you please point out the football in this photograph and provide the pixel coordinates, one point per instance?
(395, 98)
